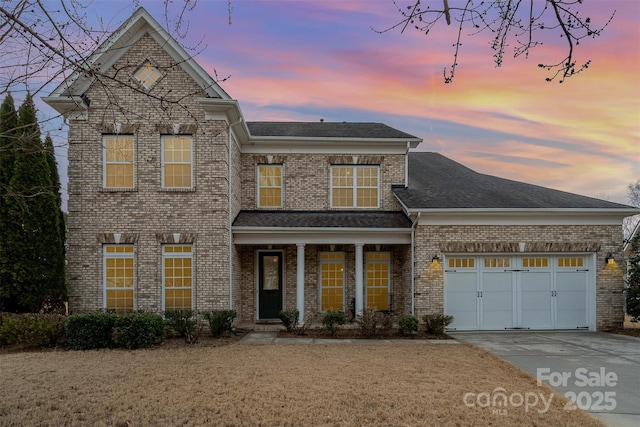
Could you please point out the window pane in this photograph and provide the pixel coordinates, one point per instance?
(342, 197)
(270, 186)
(118, 161)
(344, 188)
(119, 277)
(178, 282)
(177, 159)
(378, 280)
(332, 281)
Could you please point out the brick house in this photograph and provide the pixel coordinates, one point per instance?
(185, 205)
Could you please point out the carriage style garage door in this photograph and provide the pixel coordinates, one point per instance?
(519, 292)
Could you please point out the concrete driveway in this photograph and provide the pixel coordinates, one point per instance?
(598, 371)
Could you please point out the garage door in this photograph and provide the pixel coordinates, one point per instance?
(518, 292)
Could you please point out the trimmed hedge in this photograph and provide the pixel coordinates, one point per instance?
(106, 330)
(32, 330)
(86, 331)
(138, 330)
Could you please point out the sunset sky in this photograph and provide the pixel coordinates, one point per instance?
(306, 60)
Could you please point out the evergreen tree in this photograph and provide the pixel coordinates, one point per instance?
(8, 130)
(55, 181)
(633, 278)
(32, 256)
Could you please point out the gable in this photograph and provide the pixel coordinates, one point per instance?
(68, 96)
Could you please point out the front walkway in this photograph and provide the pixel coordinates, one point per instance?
(271, 337)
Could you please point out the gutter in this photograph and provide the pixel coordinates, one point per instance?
(229, 213)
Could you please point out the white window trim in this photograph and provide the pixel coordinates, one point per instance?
(332, 261)
(166, 255)
(258, 186)
(354, 204)
(162, 162)
(141, 82)
(389, 276)
(105, 163)
(110, 255)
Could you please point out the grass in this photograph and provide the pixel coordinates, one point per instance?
(402, 384)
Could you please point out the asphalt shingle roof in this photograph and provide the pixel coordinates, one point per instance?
(322, 219)
(437, 182)
(326, 130)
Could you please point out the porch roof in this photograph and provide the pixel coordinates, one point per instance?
(322, 219)
(319, 227)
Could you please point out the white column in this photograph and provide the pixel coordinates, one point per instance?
(300, 282)
(359, 280)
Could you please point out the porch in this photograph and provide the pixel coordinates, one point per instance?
(320, 261)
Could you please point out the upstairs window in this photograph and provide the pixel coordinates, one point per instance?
(270, 186)
(147, 75)
(177, 162)
(355, 186)
(118, 155)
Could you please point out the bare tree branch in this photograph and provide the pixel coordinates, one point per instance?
(508, 21)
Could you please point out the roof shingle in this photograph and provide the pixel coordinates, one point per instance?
(326, 130)
(437, 182)
(322, 219)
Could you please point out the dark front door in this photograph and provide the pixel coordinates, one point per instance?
(269, 284)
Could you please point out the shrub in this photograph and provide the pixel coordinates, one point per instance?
(138, 330)
(183, 323)
(408, 324)
(32, 330)
(220, 321)
(289, 319)
(90, 330)
(436, 323)
(332, 320)
(371, 322)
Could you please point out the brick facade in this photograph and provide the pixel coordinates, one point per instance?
(224, 183)
(147, 210)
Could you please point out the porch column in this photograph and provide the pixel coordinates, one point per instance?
(300, 282)
(359, 280)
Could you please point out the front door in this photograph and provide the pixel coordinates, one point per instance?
(269, 284)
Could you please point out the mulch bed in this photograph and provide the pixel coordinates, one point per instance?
(354, 333)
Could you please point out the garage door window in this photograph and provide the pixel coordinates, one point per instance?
(462, 263)
(537, 262)
(497, 262)
(568, 262)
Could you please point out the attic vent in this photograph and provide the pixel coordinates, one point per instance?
(147, 75)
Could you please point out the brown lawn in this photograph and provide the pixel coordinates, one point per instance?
(403, 384)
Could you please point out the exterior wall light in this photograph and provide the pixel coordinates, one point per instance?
(435, 259)
(609, 259)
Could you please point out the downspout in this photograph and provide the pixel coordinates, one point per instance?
(406, 165)
(229, 213)
(413, 265)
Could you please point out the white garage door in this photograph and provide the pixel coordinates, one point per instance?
(519, 292)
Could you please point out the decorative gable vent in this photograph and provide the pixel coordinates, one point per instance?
(147, 75)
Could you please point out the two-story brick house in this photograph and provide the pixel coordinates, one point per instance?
(177, 202)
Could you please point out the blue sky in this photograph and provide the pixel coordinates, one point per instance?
(312, 59)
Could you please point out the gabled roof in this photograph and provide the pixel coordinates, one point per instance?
(326, 130)
(118, 44)
(322, 219)
(437, 182)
